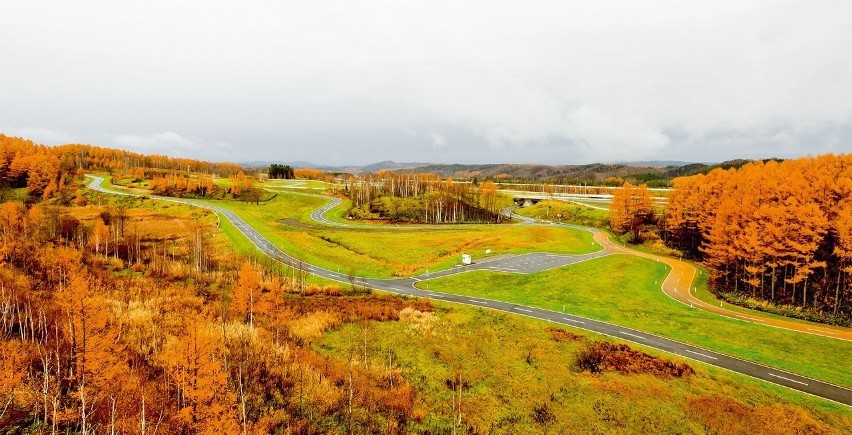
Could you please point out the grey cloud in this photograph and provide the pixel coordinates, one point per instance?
(339, 82)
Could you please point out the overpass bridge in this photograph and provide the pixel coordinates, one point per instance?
(525, 199)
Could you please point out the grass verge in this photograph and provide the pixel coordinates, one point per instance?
(509, 366)
(624, 290)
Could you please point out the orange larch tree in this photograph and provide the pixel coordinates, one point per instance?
(776, 229)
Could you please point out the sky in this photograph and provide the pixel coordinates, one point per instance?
(355, 82)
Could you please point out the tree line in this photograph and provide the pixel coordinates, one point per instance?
(424, 198)
(52, 172)
(43, 169)
(280, 172)
(180, 185)
(773, 231)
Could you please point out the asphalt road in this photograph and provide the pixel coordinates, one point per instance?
(406, 287)
(318, 215)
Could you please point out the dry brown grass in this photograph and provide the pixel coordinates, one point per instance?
(730, 416)
(602, 356)
(147, 224)
(559, 335)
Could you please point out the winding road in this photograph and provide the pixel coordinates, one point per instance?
(673, 286)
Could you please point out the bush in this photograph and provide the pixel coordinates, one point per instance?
(600, 356)
(362, 213)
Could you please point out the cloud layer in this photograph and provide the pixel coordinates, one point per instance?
(341, 82)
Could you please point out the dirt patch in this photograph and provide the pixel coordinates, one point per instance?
(601, 356)
(559, 335)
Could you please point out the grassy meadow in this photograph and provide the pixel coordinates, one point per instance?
(512, 366)
(389, 250)
(574, 213)
(625, 290)
(308, 185)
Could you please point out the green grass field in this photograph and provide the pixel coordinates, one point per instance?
(511, 364)
(286, 222)
(309, 185)
(388, 250)
(574, 213)
(413, 250)
(625, 290)
(593, 204)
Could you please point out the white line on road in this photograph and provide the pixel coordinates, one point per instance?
(572, 320)
(786, 379)
(477, 302)
(524, 310)
(820, 330)
(632, 335)
(699, 353)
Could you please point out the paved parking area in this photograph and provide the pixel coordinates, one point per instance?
(533, 262)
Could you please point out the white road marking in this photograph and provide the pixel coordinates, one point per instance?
(477, 302)
(820, 330)
(632, 335)
(786, 379)
(572, 320)
(524, 310)
(699, 353)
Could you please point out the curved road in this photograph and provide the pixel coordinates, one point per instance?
(678, 286)
(405, 286)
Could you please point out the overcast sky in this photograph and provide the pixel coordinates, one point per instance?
(431, 81)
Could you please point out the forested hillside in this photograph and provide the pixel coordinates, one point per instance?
(591, 174)
(25, 164)
(119, 319)
(528, 172)
(51, 171)
(774, 231)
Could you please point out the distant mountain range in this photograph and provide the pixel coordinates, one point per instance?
(386, 165)
(645, 171)
(661, 163)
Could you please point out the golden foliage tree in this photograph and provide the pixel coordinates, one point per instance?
(631, 209)
(778, 230)
(246, 293)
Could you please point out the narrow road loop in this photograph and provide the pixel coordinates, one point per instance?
(405, 287)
